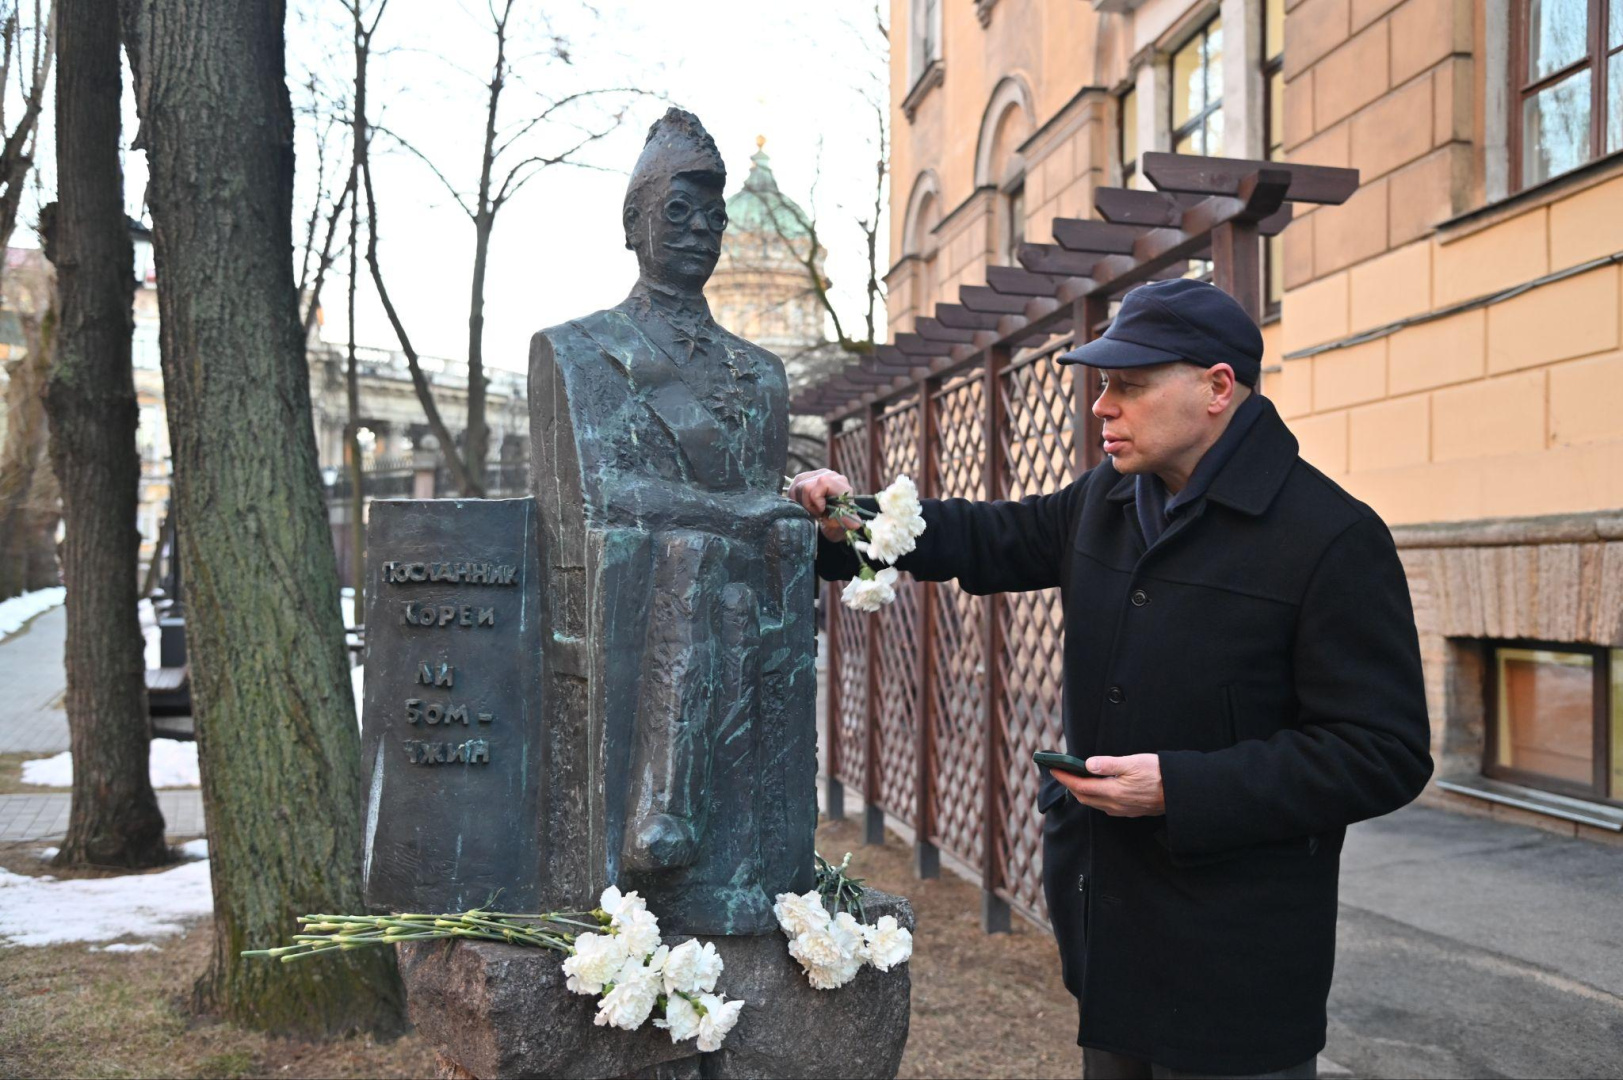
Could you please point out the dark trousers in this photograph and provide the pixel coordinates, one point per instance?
(1104, 1065)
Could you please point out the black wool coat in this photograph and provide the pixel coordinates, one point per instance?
(1265, 649)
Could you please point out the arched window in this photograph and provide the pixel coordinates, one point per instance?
(918, 238)
(1008, 122)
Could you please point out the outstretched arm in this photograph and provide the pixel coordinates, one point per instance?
(987, 546)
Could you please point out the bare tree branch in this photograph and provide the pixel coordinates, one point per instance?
(425, 394)
(450, 188)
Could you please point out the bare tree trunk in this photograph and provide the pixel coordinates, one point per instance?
(28, 492)
(467, 482)
(476, 437)
(352, 431)
(275, 717)
(114, 819)
(17, 150)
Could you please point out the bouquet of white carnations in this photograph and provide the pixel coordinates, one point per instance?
(613, 950)
(886, 536)
(832, 945)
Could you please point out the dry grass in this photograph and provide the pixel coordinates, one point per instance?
(983, 1006)
(66, 1011)
(11, 776)
(987, 1005)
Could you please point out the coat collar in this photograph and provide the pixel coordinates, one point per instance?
(1252, 477)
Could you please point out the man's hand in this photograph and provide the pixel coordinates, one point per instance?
(1125, 786)
(812, 490)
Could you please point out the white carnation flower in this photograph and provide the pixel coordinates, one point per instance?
(889, 539)
(640, 932)
(871, 594)
(615, 903)
(887, 943)
(681, 1018)
(719, 1017)
(596, 960)
(692, 968)
(824, 954)
(631, 999)
(849, 936)
(797, 914)
(901, 499)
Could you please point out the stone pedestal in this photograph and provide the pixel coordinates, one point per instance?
(503, 1011)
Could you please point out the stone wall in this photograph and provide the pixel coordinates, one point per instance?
(1554, 579)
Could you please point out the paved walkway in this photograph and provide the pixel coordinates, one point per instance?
(1470, 947)
(31, 716)
(45, 816)
(32, 722)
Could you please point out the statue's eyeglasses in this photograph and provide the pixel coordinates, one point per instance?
(680, 212)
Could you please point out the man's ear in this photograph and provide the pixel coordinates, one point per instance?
(1220, 377)
(628, 218)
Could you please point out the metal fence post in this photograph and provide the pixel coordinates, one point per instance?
(873, 825)
(926, 856)
(833, 720)
(994, 909)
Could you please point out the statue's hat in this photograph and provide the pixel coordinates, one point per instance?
(677, 143)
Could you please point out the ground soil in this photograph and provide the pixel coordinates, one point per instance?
(983, 1005)
(11, 776)
(987, 1005)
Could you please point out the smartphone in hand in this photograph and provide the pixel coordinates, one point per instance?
(1050, 759)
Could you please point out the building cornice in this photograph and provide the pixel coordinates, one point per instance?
(933, 76)
(1049, 127)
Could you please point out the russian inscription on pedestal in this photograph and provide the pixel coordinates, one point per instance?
(452, 672)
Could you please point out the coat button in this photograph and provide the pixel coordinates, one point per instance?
(1115, 695)
(1082, 883)
(1140, 598)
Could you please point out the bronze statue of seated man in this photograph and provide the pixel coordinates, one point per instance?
(680, 689)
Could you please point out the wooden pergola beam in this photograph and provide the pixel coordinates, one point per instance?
(1096, 237)
(932, 329)
(981, 298)
(961, 318)
(1053, 259)
(1013, 281)
(1188, 173)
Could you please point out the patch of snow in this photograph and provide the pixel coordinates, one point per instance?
(346, 605)
(172, 765)
(50, 772)
(124, 946)
(150, 633)
(19, 609)
(357, 682)
(45, 911)
(48, 852)
(194, 849)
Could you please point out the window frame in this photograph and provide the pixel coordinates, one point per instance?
(1014, 195)
(924, 38)
(1129, 165)
(1273, 246)
(1197, 121)
(1600, 723)
(1595, 60)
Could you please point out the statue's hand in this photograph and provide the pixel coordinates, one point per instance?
(767, 507)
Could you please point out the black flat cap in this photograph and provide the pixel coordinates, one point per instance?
(1165, 322)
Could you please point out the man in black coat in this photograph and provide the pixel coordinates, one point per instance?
(1242, 673)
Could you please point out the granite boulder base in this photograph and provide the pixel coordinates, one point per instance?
(503, 1011)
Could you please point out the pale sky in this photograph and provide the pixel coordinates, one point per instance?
(794, 73)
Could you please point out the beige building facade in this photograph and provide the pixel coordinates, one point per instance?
(1447, 345)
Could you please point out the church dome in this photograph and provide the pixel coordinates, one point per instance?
(751, 208)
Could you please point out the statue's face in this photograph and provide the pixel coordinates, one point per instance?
(676, 232)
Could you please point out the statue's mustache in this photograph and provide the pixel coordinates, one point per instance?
(697, 249)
